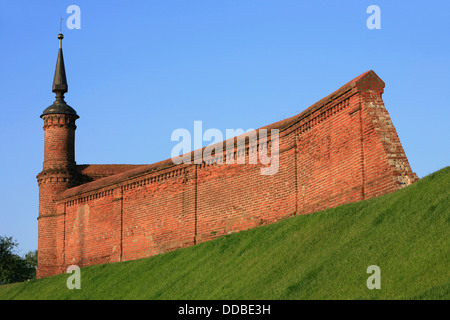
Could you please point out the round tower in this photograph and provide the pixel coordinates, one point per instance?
(59, 170)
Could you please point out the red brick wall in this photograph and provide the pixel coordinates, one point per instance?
(330, 165)
(342, 149)
(158, 213)
(58, 174)
(234, 197)
(92, 229)
(59, 141)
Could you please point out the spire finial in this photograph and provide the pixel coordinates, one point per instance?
(60, 37)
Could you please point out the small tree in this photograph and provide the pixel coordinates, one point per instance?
(31, 259)
(13, 268)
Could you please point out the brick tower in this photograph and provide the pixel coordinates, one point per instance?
(59, 171)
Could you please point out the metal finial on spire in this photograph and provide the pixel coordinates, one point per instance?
(60, 37)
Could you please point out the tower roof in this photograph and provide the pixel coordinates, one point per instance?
(60, 86)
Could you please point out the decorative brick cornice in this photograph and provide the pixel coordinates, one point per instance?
(96, 188)
(153, 178)
(57, 175)
(59, 120)
(85, 198)
(144, 180)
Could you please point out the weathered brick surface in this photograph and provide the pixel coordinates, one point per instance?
(342, 149)
(92, 229)
(158, 213)
(58, 174)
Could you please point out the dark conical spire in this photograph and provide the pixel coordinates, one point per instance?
(59, 81)
(60, 86)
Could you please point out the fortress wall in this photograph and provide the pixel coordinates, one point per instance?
(330, 159)
(50, 243)
(51, 222)
(342, 149)
(386, 165)
(234, 197)
(158, 213)
(93, 228)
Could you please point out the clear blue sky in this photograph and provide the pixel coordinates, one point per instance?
(138, 70)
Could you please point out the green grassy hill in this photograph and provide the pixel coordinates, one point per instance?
(318, 256)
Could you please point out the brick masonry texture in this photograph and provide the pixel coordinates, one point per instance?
(342, 149)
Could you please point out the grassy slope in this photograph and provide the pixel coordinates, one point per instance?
(319, 256)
